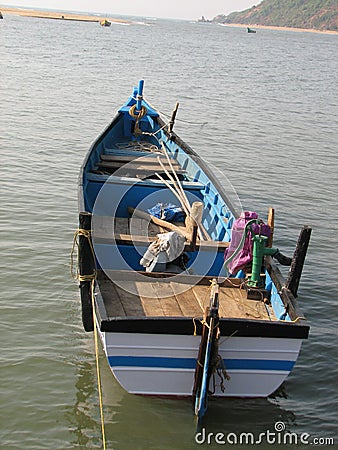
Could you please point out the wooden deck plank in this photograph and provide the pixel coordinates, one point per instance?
(149, 299)
(229, 300)
(244, 308)
(137, 226)
(139, 162)
(131, 303)
(136, 156)
(202, 294)
(121, 225)
(187, 300)
(103, 226)
(119, 229)
(112, 300)
(138, 165)
(256, 309)
(167, 299)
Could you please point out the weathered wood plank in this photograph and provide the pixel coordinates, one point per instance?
(202, 294)
(121, 225)
(179, 278)
(151, 158)
(105, 227)
(229, 301)
(112, 300)
(131, 303)
(149, 299)
(167, 299)
(187, 300)
(138, 165)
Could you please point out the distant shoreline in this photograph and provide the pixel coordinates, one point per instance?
(58, 15)
(271, 27)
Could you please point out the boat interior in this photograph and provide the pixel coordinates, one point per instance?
(124, 176)
(145, 164)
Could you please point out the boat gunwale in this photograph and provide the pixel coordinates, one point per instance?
(193, 326)
(288, 299)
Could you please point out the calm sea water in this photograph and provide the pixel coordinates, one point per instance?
(262, 108)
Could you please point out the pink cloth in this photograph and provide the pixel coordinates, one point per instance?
(244, 257)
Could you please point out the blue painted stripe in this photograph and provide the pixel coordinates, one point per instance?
(190, 363)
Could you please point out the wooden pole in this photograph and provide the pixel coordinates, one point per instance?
(298, 259)
(271, 223)
(192, 228)
(192, 221)
(173, 117)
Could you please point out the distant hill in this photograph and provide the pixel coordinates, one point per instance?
(312, 14)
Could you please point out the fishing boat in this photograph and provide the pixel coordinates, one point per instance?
(250, 30)
(185, 290)
(105, 23)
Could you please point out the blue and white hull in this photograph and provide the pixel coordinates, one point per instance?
(165, 365)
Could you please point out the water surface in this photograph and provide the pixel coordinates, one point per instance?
(262, 108)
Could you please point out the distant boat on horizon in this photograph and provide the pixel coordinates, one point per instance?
(204, 20)
(105, 23)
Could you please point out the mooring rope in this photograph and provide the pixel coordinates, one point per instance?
(137, 116)
(90, 277)
(98, 375)
(138, 146)
(75, 273)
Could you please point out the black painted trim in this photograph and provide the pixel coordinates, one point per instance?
(185, 326)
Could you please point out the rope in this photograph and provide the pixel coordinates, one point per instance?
(140, 114)
(213, 282)
(75, 273)
(155, 132)
(195, 326)
(137, 117)
(180, 193)
(138, 146)
(91, 278)
(98, 368)
(297, 319)
(202, 322)
(161, 113)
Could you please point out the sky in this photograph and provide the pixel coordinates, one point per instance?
(171, 9)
